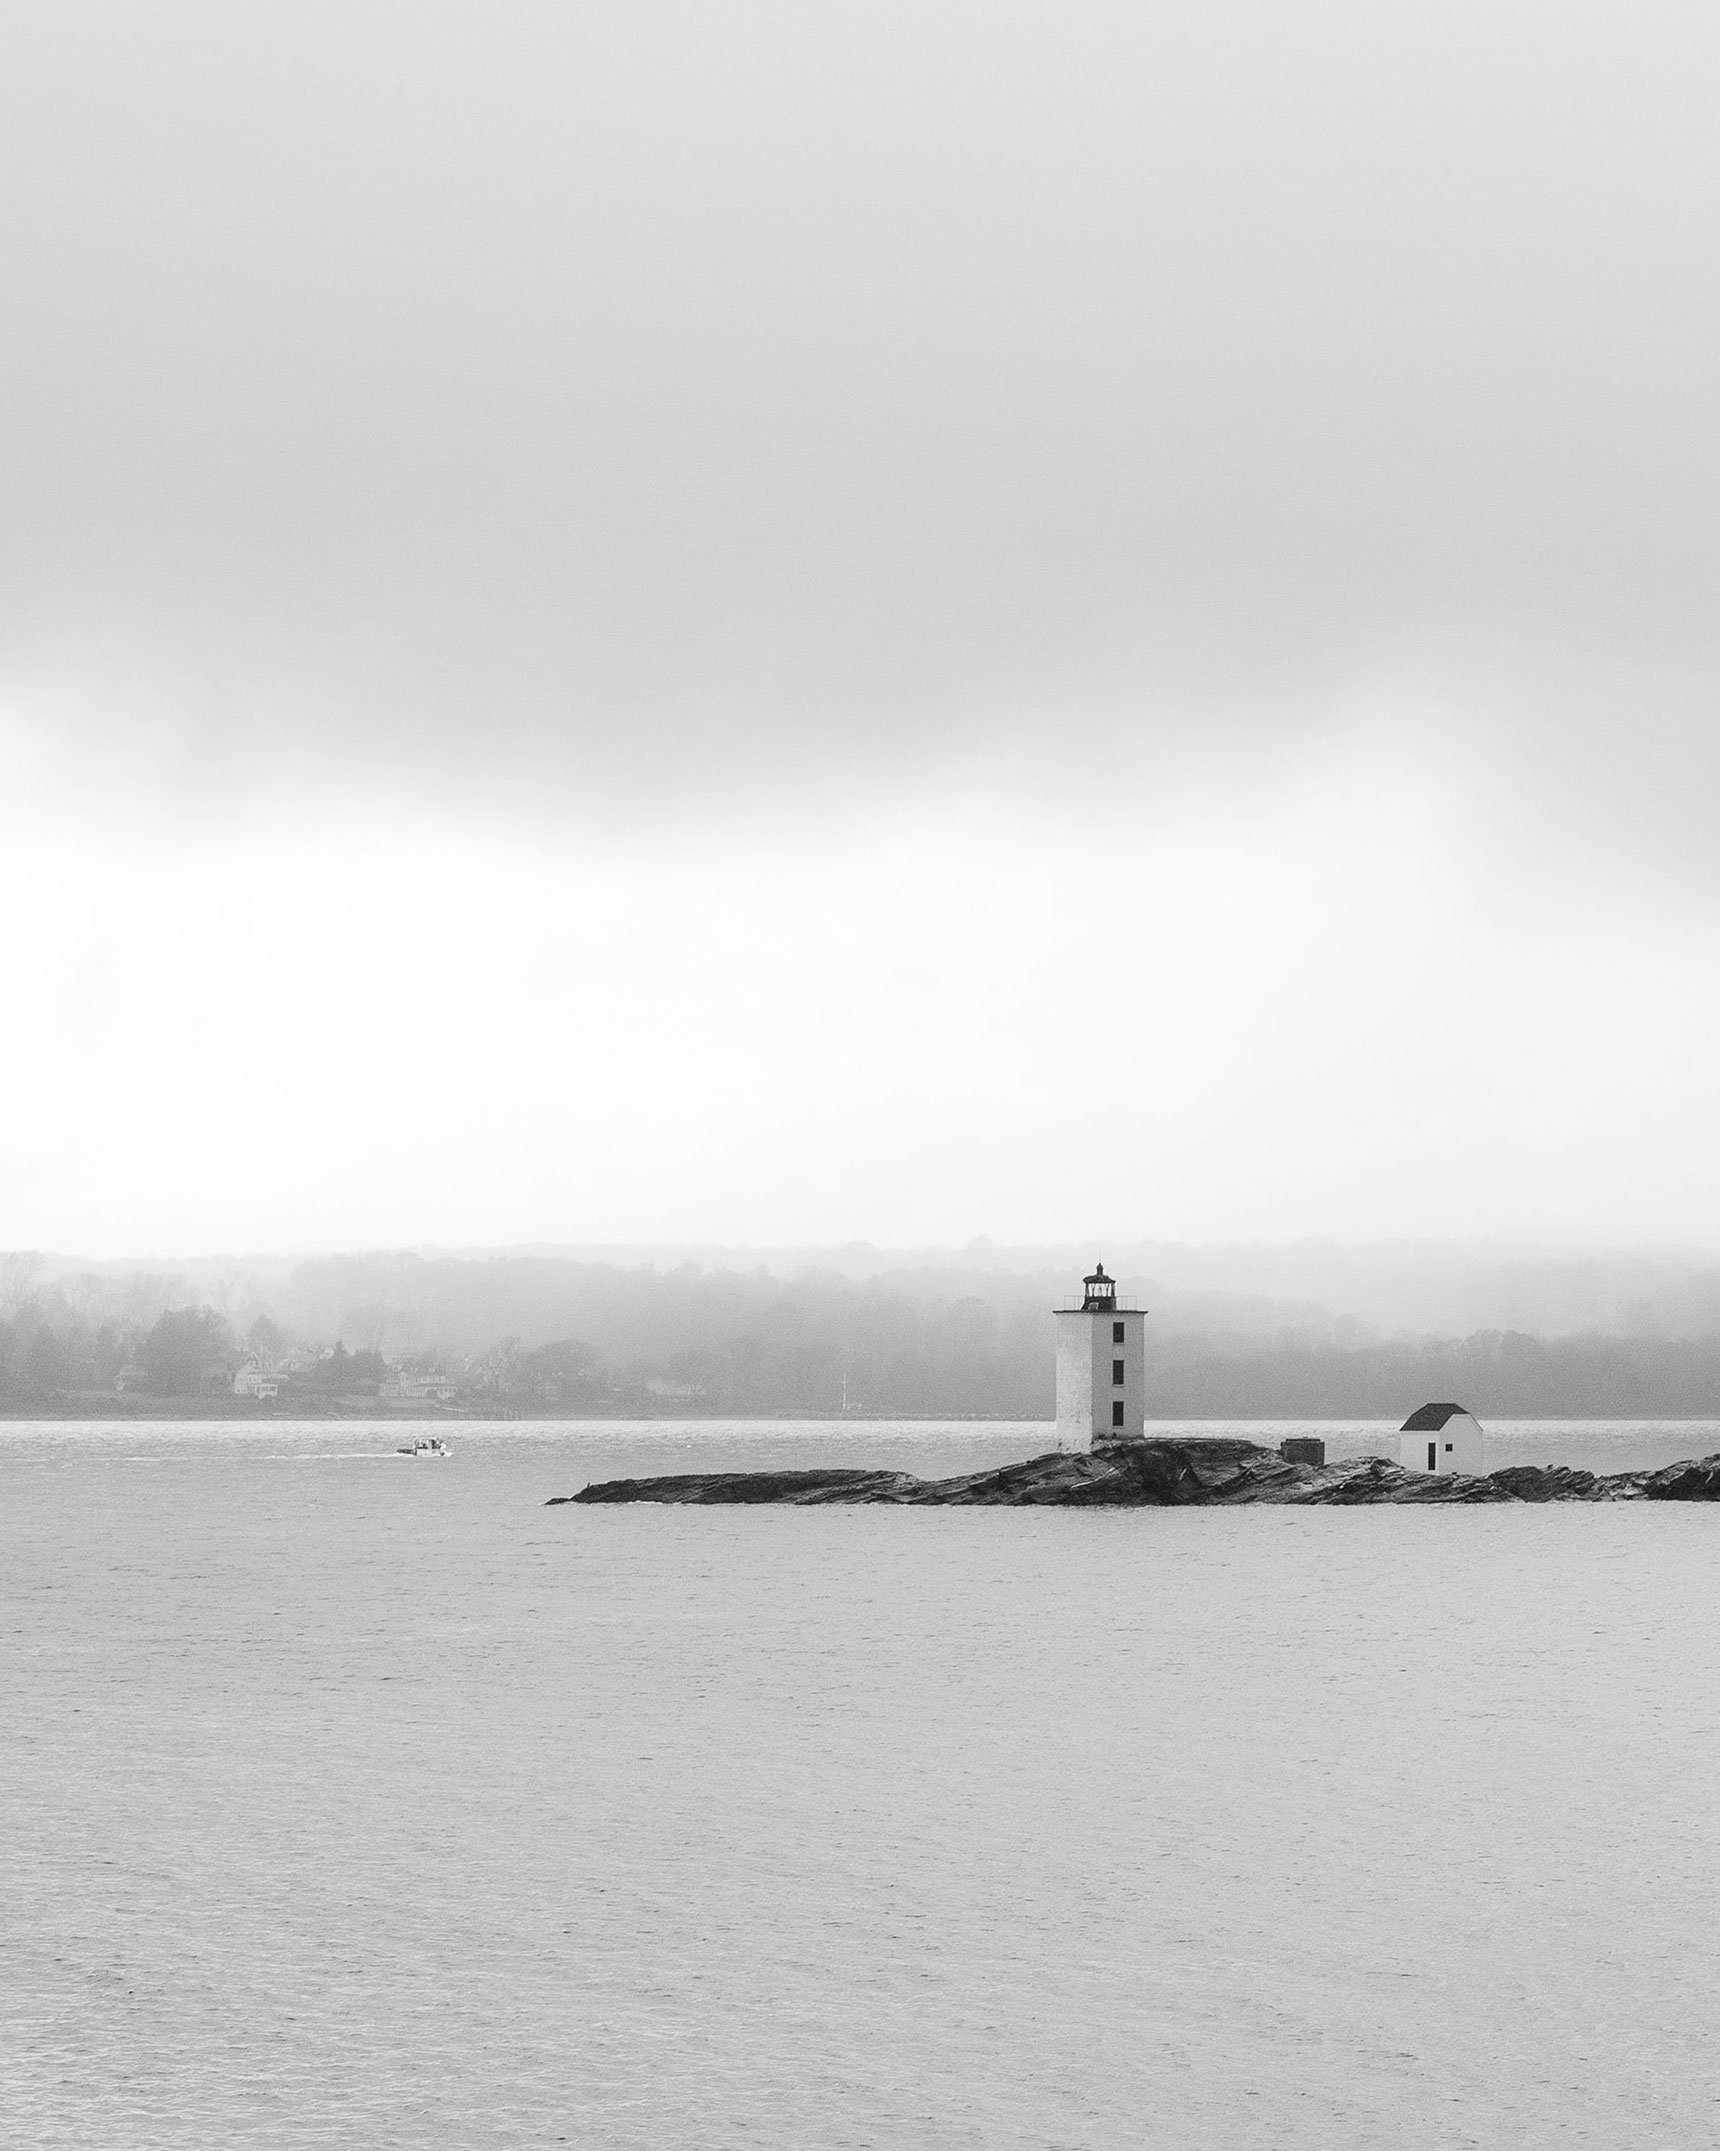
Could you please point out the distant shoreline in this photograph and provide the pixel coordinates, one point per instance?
(120, 1410)
(123, 1410)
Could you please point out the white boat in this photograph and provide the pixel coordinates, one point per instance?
(426, 1445)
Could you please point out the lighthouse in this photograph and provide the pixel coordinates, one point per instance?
(1101, 1368)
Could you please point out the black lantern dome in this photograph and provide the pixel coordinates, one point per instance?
(1101, 1290)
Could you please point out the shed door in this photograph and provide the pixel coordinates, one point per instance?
(1433, 1456)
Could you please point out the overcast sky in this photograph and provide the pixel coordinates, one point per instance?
(791, 623)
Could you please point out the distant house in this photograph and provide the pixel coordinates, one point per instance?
(255, 1380)
(1442, 1437)
(417, 1389)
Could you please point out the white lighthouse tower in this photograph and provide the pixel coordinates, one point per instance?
(1101, 1368)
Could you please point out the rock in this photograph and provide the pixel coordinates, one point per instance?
(1186, 1472)
(1698, 1480)
(1545, 1482)
(794, 1487)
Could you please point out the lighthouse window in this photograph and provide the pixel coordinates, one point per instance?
(1116, 1370)
(1117, 1413)
(1116, 1332)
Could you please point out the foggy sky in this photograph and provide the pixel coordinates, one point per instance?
(648, 562)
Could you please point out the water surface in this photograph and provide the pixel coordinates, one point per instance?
(351, 1801)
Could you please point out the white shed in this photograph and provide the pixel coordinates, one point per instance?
(1442, 1437)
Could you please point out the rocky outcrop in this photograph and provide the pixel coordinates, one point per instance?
(1174, 1474)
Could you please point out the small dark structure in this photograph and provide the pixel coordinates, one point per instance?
(1302, 1449)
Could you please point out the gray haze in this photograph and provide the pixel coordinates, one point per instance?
(1312, 1291)
(588, 593)
(669, 390)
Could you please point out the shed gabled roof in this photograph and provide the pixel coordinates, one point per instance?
(1432, 1417)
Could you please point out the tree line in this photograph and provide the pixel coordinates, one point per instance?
(184, 1352)
(593, 1338)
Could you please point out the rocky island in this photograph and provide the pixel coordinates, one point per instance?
(1177, 1473)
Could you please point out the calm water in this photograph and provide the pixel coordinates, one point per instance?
(350, 1801)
